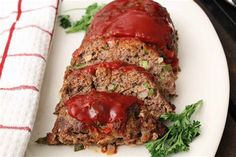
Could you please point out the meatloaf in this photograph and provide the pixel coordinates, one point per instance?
(120, 79)
(109, 80)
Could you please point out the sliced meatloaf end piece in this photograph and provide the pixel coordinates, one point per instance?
(102, 26)
(131, 51)
(142, 123)
(138, 130)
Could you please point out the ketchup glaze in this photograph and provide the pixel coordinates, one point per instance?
(145, 20)
(100, 107)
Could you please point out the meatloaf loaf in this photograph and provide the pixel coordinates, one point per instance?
(120, 79)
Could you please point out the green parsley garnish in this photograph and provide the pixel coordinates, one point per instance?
(65, 21)
(180, 134)
(83, 23)
(78, 147)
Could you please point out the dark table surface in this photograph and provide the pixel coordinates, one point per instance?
(223, 18)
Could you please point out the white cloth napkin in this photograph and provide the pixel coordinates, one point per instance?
(26, 28)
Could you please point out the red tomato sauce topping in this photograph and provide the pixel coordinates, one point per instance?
(101, 107)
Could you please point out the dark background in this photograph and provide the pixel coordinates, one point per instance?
(223, 18)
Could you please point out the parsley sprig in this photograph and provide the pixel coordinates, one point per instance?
(81, 24)
(65, 21)
(180, 134)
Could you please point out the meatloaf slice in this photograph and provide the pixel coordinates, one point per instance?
(118, 77)
(138, 129)
(131, 51)
(114, 79)
(126, 18)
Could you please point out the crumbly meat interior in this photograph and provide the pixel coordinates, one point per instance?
(131, 51)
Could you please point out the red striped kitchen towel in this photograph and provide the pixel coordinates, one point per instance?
(26, 28)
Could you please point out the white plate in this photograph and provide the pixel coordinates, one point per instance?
(204, 75)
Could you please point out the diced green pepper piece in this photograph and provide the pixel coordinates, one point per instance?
(79, 66)
(111, 87)
(167, 68)
(146, 85)
(144, 64)
(151, 92)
